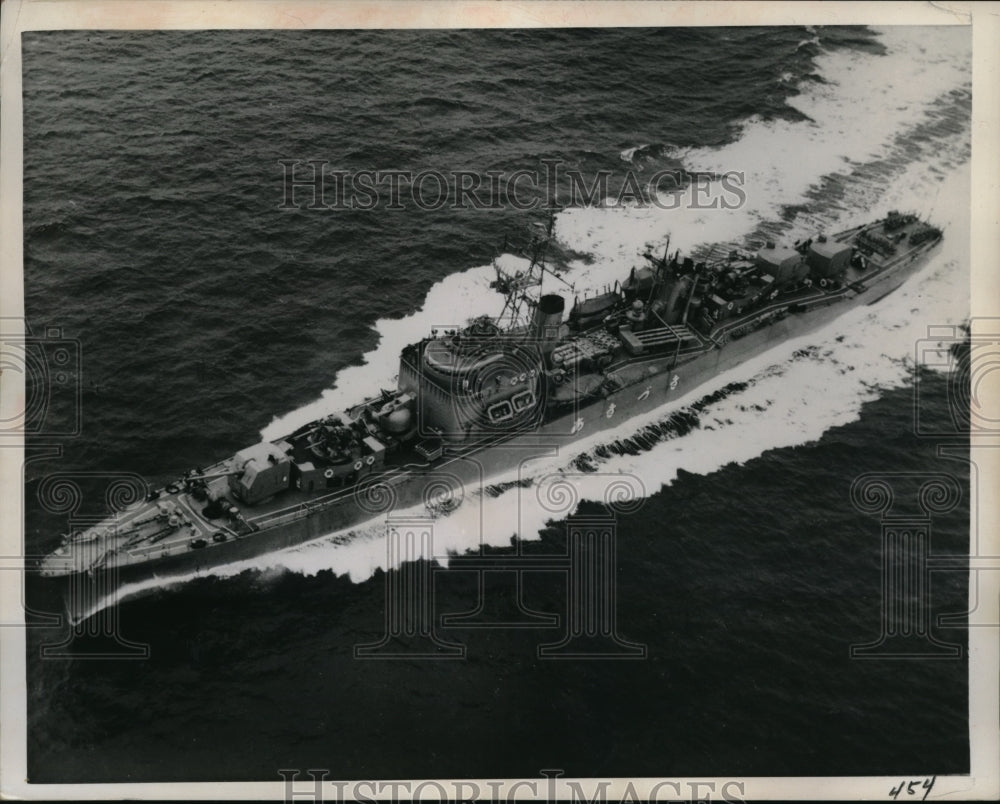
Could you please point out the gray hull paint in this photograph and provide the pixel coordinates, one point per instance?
(469, 467)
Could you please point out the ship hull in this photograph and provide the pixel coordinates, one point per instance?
(472, 465)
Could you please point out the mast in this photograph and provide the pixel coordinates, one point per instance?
(514, 287)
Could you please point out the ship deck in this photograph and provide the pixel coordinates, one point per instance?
(174, 522)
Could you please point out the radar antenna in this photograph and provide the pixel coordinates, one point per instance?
(659, 264)
(515, 286)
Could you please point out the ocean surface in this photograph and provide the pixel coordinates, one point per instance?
(203, 317)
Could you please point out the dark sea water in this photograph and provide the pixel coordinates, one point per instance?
(206, 316)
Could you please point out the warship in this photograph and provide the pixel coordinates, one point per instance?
(474, 401)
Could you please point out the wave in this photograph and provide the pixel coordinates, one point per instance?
(865, 102)
(837, 132)
(787, 397)
(628, 155)
(853, 156)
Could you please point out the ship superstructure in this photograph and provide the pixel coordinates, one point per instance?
(549, 369)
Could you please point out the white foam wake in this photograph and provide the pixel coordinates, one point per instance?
(855, 116)
(867, 103)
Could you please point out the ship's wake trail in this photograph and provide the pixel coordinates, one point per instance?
(882, 132)
(787, 397)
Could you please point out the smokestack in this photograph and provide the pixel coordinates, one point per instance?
(548, 317)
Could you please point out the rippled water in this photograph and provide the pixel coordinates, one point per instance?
(207, 316)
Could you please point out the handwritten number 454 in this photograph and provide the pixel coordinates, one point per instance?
(912, 788)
